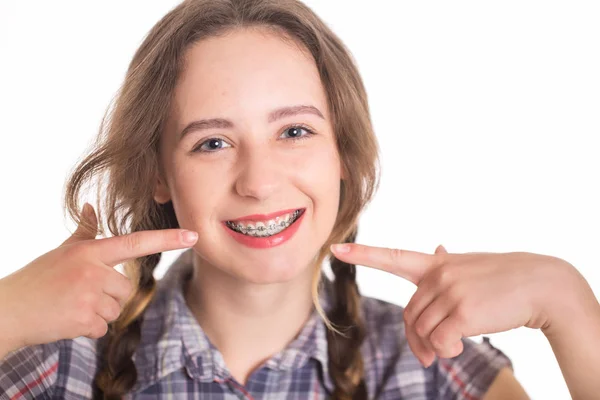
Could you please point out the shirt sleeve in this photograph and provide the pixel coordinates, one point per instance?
(469, 375)
(29, 372)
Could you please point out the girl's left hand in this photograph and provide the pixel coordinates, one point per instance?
(462, 295)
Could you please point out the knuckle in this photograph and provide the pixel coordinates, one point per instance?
(132, 242)
(125, 288)
(461, 313)
(114, 310)
(128, 285)
(85, 321)
(441, 258)
(438, 340)
(396, 258)
(74, 250)
(87, 273)
(454, 294)
(174, 236)
(406, 314)
(420, 329)
(443, 276)
(410, 314)
(99, 329)
(454, 350)
(396, 254)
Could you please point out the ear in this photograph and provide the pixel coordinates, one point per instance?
(161, 192)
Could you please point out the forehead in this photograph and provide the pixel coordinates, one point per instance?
(246, 73)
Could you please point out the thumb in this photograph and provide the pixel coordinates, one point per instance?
(440, 250)
(87, 227)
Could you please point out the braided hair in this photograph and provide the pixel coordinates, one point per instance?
(128, 149)
(345, 360)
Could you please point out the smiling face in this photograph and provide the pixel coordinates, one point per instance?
(260, 142)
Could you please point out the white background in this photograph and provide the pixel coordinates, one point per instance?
(487, 116)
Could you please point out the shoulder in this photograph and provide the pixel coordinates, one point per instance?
(471, 373)
(61, 369)
(384, 325)
(393, 371)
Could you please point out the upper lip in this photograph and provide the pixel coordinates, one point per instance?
(264, 217)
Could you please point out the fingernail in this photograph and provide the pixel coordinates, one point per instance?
(340, 248)
(189, 236)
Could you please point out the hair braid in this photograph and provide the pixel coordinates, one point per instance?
(117, 373)
(128, 149)
(345, 359)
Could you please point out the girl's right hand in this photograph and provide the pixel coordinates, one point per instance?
(74, 290)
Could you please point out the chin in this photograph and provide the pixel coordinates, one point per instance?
(268, 271)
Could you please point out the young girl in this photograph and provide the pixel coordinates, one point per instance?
(242, 131)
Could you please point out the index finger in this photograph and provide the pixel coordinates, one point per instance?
(118, 249)
(410, 265)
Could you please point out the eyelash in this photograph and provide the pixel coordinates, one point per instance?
(309, 131)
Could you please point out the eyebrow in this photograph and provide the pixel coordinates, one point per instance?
(216, 123)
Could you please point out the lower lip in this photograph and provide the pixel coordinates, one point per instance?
(266, 242)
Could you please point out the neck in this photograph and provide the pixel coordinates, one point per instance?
(248, 322)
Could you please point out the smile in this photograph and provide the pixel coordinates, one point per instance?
(264, 231)
(265, 228)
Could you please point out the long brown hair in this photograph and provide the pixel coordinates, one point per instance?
(125, 154)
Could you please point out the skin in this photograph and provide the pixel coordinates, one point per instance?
(242, 77)
(258, 169)
(462, 295)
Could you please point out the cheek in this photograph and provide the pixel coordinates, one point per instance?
(191, 182)
(317, 165)
(195, 194)
(318, 176)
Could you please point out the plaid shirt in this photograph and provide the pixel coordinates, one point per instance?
(175, 360)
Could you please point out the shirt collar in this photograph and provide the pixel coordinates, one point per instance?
(172, 338)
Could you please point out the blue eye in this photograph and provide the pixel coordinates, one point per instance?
(295, 132)
(213, 145)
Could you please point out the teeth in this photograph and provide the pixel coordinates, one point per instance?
(262, 229)
(272, 222)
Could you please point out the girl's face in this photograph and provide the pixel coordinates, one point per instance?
(260, 142)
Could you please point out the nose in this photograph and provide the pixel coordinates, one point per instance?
(259, 175)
